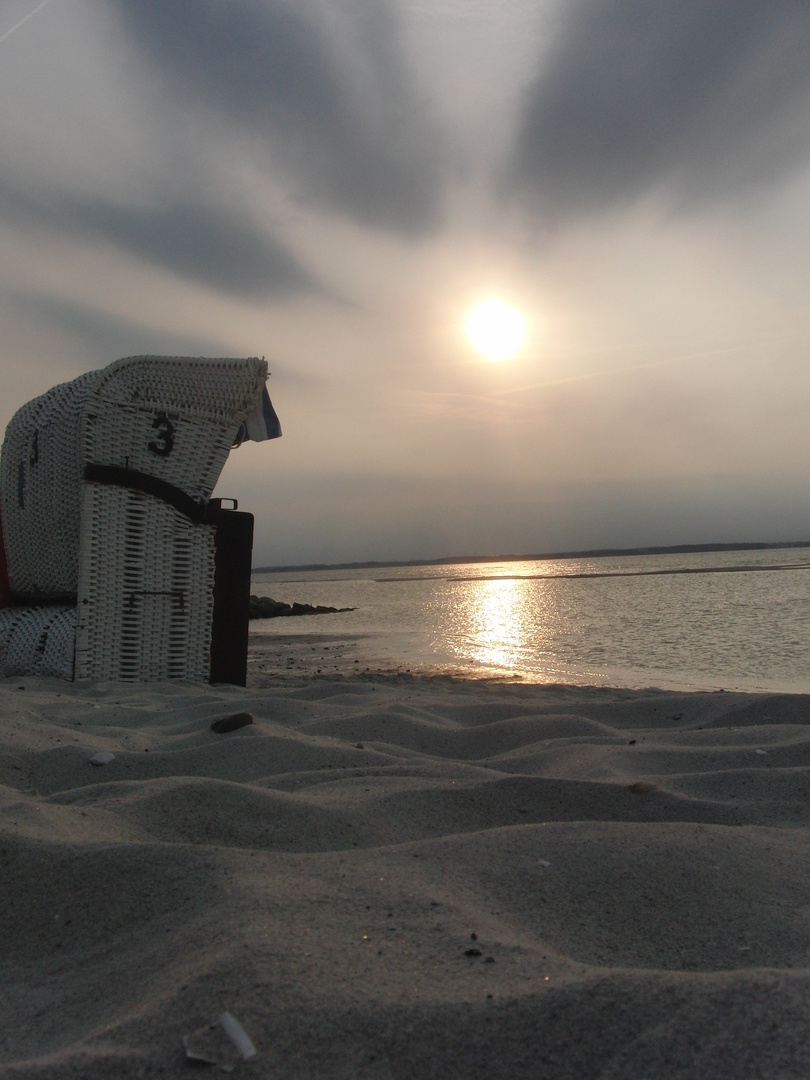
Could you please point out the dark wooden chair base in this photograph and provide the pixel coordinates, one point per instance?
(229, 638)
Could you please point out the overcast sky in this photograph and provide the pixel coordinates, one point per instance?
(335, 183)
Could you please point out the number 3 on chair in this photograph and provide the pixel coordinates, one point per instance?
(163, 443)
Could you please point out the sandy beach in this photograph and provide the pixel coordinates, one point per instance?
(388, 875)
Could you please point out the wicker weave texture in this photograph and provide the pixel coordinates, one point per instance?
(38, 641)
(40, 491)
(173, 418)
(146, 601)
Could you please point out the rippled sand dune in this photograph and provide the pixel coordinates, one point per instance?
(396, 876)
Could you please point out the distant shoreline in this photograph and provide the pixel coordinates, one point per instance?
(674, 549)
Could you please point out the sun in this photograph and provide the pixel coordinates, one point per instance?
(495, 329)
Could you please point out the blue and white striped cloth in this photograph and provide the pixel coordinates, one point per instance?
(261, 424)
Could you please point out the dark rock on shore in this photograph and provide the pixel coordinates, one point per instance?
(264, 607)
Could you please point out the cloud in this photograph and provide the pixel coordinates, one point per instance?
(203, 242)
(322, 93)
(707, 98)
(103, 337)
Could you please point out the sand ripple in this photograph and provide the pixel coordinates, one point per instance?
(389, 876)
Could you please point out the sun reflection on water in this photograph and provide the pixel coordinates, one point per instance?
(679, 621)
(503, 623)
(494, 616)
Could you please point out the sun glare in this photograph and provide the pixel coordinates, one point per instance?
(495, 329)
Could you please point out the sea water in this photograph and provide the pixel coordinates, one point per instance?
(710, 620)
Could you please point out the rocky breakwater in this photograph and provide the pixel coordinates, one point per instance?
(264, 607)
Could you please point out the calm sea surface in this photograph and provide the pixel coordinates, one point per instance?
(732, 620)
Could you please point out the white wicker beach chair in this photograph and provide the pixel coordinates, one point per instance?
(105, 485)
(40, 492)
(38, 641)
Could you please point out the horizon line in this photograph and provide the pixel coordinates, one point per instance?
(592, 553)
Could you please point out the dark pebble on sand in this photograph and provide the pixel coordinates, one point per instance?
(232, 723)
(641, 787)
(472, 952)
